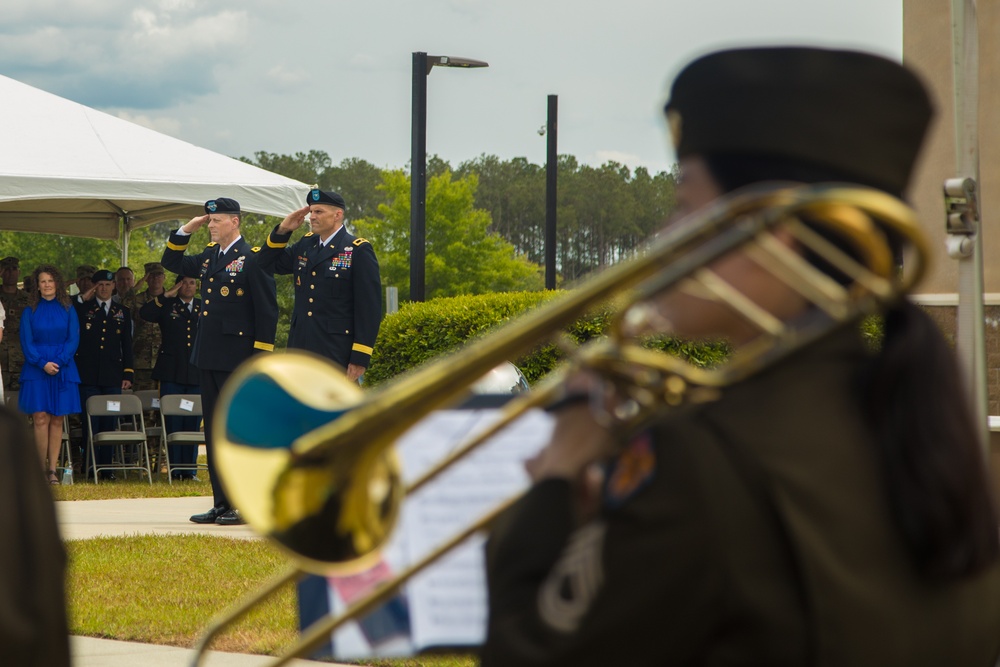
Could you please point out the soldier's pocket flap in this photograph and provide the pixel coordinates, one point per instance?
(235, 328)
(338, 325)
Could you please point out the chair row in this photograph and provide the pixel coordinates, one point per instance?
(130, 410)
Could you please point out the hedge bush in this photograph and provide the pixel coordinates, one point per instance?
(422, 331)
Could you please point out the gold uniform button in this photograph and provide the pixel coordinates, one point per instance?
(211, 280)
(241, 333)
(312, 287)
(205, 313)
(310, 313)
(310, 299)
(314, 273)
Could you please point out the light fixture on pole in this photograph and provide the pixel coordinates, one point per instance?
(422, 65)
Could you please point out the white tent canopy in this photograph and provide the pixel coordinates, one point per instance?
(68, 169)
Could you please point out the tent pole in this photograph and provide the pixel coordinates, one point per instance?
(124, 226)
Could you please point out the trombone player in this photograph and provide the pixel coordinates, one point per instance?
(831, 509)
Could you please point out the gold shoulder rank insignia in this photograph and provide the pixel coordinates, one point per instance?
(307, 234)
(360, 241)
(256, 248)
(211, 244)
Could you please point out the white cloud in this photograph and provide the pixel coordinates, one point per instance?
(284, 79)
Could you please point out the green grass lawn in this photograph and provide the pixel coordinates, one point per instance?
(166, 589)
(132, 487)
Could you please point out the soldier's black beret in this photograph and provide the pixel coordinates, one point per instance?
(858, 114)
(317, 196)
(103, 274)
(222, 205)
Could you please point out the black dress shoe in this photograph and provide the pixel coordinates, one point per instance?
(211, 515)
(230, 518)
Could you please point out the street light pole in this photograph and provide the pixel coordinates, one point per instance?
(418, 177)
(551, 179)
(422, 65)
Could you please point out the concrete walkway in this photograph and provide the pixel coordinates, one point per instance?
(84, 519)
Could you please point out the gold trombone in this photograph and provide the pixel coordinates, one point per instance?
(309, 459)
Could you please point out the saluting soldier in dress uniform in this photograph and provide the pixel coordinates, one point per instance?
(145, 336)
(239, 316)
(104, 357)
(14, 302)
(175, 314)
(338, 307)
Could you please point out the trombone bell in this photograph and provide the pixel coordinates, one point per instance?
(332, 511)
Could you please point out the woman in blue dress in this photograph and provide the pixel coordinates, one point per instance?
(50, 333)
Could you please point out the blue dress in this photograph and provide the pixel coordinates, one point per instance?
(50, 332)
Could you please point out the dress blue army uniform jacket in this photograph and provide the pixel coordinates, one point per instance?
(104, 357)
(239, 310)
(178, 327)
(338, 303)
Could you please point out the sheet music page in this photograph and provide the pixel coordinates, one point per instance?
(447, 602)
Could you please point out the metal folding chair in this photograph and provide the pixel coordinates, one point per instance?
(123, 406)
(180, 405)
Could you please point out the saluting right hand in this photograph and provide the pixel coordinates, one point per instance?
(194, 224)
(293, 220)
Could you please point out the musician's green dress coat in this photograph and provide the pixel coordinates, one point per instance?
(749, 531)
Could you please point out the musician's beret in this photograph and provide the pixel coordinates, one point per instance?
(222, 205)
(317, 196)
(859, 115)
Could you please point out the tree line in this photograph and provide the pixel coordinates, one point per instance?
(604, 213)
(485, 222)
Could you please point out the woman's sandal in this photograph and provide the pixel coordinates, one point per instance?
(53, 479)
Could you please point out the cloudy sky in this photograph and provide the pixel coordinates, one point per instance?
(238, 76)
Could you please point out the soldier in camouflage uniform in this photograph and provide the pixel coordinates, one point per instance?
(83, 282)
(146, 335)
(14, 301)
